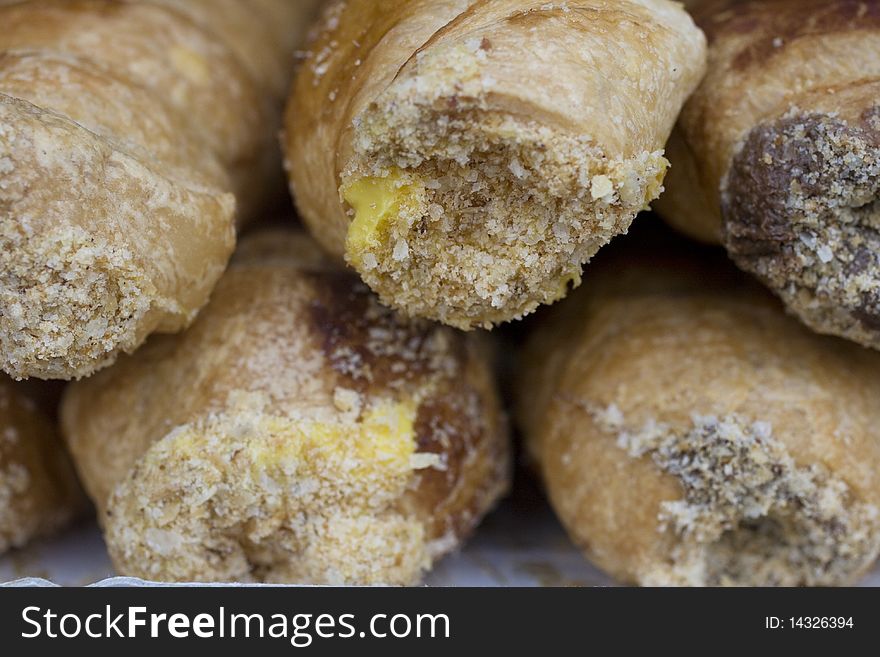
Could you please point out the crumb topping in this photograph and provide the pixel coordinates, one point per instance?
(69, 300)
(749, 514)
(345, 444)
(494, 215)
(246, 495)
(801, 211)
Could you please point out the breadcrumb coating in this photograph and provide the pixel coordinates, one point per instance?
(133, 135)
(467, 158)
(776, 154)
(504, 214)
(749, 516)
(70, 302)
(251, 495)
(298, 432)
(802, 212)
(690, 432)
(73, 297)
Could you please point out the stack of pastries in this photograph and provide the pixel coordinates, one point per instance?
(320, 403)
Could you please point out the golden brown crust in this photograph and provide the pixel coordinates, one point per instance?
(297, 432)
(689, 432)
(39, 493)
(782, 139)
(121, 165)
(494, 190)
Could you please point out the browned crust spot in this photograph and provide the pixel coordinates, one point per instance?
(453, 424)
(369, 346)
(773, 24)
(372, 349)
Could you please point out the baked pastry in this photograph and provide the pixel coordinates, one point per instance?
(689, 432)
(297, 432)
(39, 494)
(129, 132)
(777, 154)
(466, 158)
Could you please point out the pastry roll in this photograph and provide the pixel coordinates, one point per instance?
(466, 158)
(297, 432)
(777, 155)
(689, 432)
(39, 493)
(131, 135)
